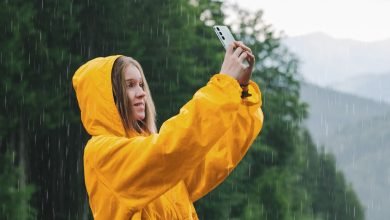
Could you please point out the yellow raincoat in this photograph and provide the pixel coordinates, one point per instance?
(159, 176)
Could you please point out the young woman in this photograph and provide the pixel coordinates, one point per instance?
(134, 172)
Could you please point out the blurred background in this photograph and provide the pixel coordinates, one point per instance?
(324, 72)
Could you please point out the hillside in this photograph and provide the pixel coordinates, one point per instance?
(372, 86)
(330, 110)
(357, 131)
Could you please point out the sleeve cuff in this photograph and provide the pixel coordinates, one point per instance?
(255, 92)
(227, 83)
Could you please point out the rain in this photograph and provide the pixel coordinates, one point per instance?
(322, 148)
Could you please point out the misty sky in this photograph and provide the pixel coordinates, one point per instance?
(364, 20)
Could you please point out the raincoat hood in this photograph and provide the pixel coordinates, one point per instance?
(92, 83)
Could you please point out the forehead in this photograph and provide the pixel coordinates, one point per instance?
(131, 72)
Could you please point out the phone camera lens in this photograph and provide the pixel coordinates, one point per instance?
(218, 28)
(220, 33)
(223, 37)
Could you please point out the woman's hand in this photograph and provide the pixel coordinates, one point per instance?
(246, 74)
(232, 64)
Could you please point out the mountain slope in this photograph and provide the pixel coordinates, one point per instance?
(372, 86)
(330, 110)
(357, 131)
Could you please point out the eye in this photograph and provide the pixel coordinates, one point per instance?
(133, 84)
(130, 84)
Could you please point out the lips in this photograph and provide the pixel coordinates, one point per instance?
(139, 104)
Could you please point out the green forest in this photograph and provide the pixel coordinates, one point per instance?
(283, 176)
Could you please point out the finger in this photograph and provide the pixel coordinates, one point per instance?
(243, 56)
(230, 48)
(251, 59)
(236, 44)
(238, 51)
(251, 55)
(241, 44)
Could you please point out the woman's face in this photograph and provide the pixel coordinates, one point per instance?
(135, 91)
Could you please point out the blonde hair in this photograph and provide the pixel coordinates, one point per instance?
(123, 103)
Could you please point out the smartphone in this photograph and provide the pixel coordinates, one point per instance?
(226, 38)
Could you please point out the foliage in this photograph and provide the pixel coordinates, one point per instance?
(331, 196)
(13, 196)
(44, 42)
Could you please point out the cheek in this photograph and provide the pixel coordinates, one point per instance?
(130, 95)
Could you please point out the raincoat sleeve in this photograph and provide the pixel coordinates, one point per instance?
(230, 149)
(138, 170)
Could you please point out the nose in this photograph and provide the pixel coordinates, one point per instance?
(140, 92)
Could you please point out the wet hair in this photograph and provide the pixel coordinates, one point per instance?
(123, 103)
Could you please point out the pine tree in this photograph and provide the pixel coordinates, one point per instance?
(14, 197)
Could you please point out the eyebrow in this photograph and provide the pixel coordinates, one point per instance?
(129, 80)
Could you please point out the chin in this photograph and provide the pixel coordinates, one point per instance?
(140, 117)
